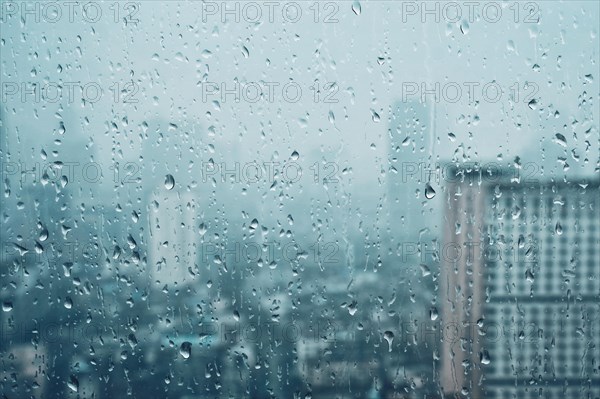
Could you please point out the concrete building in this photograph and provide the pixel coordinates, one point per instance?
(173, 246)
(519, 289)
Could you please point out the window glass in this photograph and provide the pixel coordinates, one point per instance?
(299, 199)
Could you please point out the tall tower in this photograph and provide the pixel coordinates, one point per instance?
(173, 203)
(461, 282)
(173, 242)
(410, 131)
(518, 287)
(542, 290)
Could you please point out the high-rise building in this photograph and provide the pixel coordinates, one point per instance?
(410, 131)
(173, 237)
(518, 288)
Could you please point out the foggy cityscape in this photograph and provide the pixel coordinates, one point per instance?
(342, 199)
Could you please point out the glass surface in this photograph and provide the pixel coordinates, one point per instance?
(309, 199)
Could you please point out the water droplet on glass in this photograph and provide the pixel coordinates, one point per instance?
(68, 302)
(375, 116)
(356, 8)
(561, 140)
(39, 249)
(43, 235)
(429, 191)
(7, 306)
(352, 308)
(484, 357)
(73, 383)
(558, 229)
(253, 225)
(389, 337)
(185, 350)
(116, 252)
(202, 229)
(433, 313)
(529, 276)
(295, 155)
(516, 213)
(169, 182)
(132, 340)
(532, 104)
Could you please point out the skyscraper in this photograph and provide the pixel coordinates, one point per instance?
(519, 295)
(173, 238)
(410, 131)
(542, 304)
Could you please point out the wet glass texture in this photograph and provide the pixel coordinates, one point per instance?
(300, 199)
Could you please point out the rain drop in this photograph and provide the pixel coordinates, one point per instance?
(185, 350)
(558, 229)
(73, 383)
(43, 235)
(484, 357)
(389, 337)
(433, 313)
(429, 191)
(202, 229)
(560, 140)
(375, 116)
(68, 303)
(529, 276)
(532, 104)
(253, 225)
(169, 182)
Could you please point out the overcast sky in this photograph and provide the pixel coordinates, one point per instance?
(374, 57)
